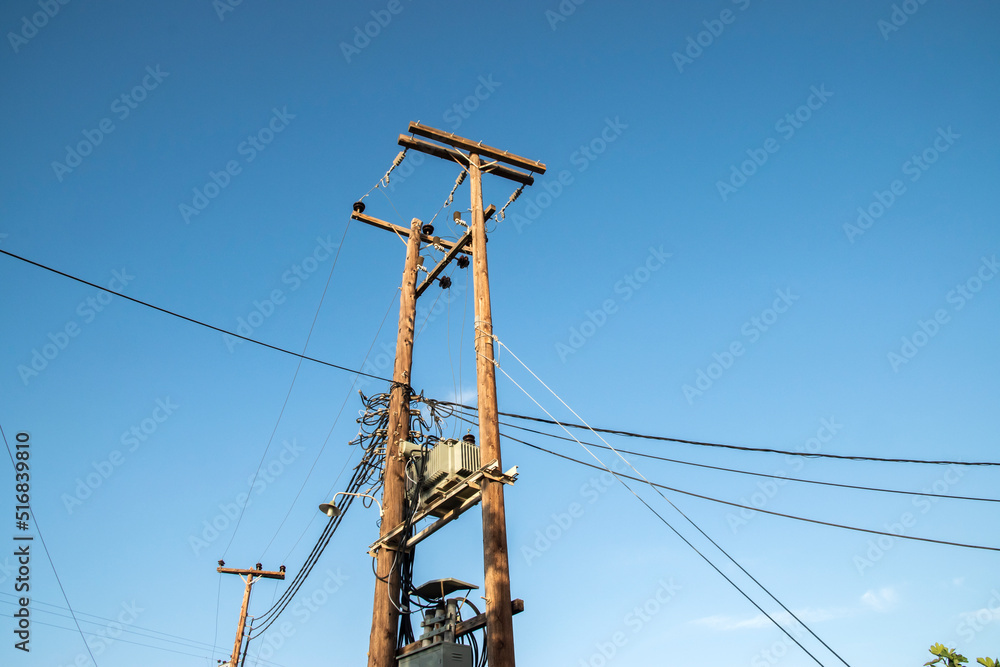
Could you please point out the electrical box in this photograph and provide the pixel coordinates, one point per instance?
(441, 654)
(447, 464)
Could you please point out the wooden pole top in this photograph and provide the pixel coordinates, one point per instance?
(461, 158)
(257, 573)
(476, 147)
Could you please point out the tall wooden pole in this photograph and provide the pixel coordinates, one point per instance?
(385, 614)
(243, 620)
(499, 624)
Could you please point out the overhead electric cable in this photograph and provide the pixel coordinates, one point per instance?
(786, 478)
(757, 509)
(194, 321)
(676, 532)
(669, 502)
(736, 447)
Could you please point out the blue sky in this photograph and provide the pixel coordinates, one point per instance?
(763, 223)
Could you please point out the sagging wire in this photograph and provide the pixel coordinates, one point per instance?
(668, 501)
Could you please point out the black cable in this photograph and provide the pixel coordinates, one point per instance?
(754, 474)
(755, 509)
(736, 447)
(621, 480)
(194, 321)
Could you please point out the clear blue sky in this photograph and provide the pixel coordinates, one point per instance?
(764, 223)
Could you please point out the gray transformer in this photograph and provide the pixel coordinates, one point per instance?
(442, 654)
(447, 464)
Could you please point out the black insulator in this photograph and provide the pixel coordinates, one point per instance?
(259, 566)
(359, 207)
(428, 230)
(445, 282)
(469, 438)
(222, 563)
(463, 262)
(281, 569)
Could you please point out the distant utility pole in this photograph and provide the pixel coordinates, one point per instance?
(385, 616)
(251, 577)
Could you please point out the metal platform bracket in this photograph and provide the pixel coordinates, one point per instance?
(490, 471)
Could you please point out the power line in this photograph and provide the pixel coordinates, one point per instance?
(194, 321)
(715, 567)
(736, 447)
(506, 414)
(758, 474)
(757, 509)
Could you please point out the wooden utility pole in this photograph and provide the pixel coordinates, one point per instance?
(385, 612)
(251, 577)
(499, 622)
